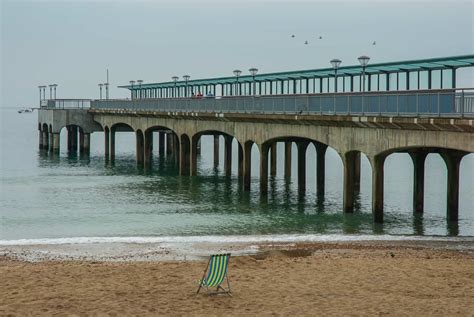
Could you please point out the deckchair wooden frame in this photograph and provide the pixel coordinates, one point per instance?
(202, 282)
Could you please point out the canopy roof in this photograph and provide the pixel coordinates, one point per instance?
(380, 68)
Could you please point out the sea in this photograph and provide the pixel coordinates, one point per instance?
(51, 199)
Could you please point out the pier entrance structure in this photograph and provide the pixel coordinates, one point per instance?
(411, 107)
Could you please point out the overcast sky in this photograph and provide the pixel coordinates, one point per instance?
(72, 43)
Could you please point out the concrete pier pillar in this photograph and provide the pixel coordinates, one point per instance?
(216, 151)
(169, 144)
(320, 168)
(148, 143)
(350, 162)
(176, 149)
(377, 188)
(418, 157)
(46, 140)
(357, 172)
(264, 149)
(273, 159)
(51, 142)
(112, 144)
(228, 154)
(193, 155)
(140, 144)
(184, 156)
(240, 158)
(40, 140)
(302, 146)
(69, 139)
(247, 165)
(453, 161)
(107, 143)
(86, 143)
(161, 143)
(74, 142)
(288, 145)
(55, 145)
(198, 149)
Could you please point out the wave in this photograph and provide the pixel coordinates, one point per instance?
(284, 238)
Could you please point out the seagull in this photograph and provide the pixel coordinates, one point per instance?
(292, 35)
(374, 43)
(306, 42)
(320, 37)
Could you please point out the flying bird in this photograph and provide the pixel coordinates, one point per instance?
(320, 37)
(306, 42)
(374, 43)
(292, 35)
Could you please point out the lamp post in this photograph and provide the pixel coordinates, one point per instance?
(54, 87)
(40, 88)
(100, 90)
(106, 90)
(140, 82)
(175, 79)
(50, 91)
(132, 83)
(335, 64)
(363, 60)
(253, 71)
(237, 73)
(186, 78)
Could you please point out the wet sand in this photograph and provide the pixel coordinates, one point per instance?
(360, 279)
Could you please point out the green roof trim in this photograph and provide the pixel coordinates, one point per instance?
(380, 68)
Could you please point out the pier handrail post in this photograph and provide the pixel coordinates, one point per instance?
(461, 103)
(398, 105)
(417, 107)
(439, 110)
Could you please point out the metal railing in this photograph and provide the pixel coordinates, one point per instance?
(66, 104)
(427, 103)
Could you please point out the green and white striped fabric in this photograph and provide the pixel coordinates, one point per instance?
(218, 265)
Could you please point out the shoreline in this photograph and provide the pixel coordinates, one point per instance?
(141, 249)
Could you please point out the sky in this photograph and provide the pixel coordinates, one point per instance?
(72, 43)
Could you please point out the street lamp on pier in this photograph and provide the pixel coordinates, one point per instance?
(175, 79)
(100, 89)
(253, 71)
(54, 87)
(140, 82)
(335, 64)
(106, 90)
(50, 91)
(363, 60)
(186, 78)
(237, 73)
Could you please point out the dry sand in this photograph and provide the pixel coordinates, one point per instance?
(312, 279)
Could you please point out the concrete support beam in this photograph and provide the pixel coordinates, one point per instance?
(55, 143)
(169, 144)
(418, 157)
(46, 140)
(184, 155)
(247, 149)
(273, 158)
(140, 145)
(240, 158)
(161, 143)
(264, 149)
(86, 143)
(453, 160)
(40, 140)
(302, 146)
(81, 141)
(216, 151)
(176, 149)
(194, 154)
(72, 138)
(228, 154)
(112, 144)
(106, 144)
(350, 166)
(148, 149)
(377, 188)
(320, 167)
(288, 145)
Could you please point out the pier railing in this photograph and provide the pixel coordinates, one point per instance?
(66, 104)
(445, 103)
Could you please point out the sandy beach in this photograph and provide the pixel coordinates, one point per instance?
(303, 279)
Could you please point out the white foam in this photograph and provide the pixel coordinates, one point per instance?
(284, 238)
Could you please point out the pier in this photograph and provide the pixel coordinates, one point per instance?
(409, 107)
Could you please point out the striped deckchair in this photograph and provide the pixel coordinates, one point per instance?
(218, 266)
